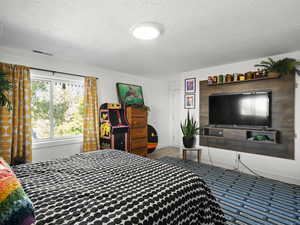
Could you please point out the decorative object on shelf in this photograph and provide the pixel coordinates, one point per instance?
(259, 74)
(152, 139)
(241, 77)
(221, 79)
(210, 80)
(260, 138)
(114, 127)
(189, 130)
(281, 67)
(255, 75)
(235, 77)
(130, 94)
(5, 86)
(249, 75)
(190, 85)
(228, 78)
(215, 79)
(189, 101)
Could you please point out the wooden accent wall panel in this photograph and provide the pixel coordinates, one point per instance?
(283, 116)
(138, 133)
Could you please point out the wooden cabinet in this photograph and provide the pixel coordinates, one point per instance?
(138, 135)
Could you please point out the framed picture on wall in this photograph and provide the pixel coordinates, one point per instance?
(130, 94)
(190, 85)
(189, 101)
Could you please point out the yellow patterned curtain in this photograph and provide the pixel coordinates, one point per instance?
(91, 133)
(15, 126)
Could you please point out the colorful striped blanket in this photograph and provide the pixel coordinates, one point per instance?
(15, 207)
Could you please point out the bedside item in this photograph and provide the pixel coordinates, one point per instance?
(189, 101)
(198, 150)
(137, 118)
(16, 207)
(190, 85)
(130, 94)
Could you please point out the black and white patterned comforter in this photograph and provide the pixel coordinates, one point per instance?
(113, 187)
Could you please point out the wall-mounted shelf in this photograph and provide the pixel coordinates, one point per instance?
(243, 81)
(242, 134)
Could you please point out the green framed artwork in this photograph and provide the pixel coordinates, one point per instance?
(130, 94)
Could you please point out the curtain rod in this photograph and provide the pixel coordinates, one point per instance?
(53, 71)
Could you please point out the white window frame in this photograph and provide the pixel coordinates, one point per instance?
(54, 141)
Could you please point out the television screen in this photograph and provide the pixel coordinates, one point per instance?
(241, 109)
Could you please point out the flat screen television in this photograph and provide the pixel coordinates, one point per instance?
(241, 109)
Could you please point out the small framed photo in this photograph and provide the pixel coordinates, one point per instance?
(190, 85)
(189, 101)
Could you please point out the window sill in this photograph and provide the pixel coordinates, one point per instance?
(56, 142)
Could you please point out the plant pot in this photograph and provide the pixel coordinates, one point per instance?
(273, 74)
(189, 142)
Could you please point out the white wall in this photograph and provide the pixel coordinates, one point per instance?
(155, 95)
(276, 168)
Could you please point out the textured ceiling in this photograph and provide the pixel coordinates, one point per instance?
(197, 33)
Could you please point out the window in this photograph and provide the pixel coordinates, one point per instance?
(57, 106)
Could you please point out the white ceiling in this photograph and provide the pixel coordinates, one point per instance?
(197, 33)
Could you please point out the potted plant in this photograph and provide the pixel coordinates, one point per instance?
(280, 67)
(5, 86)
(189, 130)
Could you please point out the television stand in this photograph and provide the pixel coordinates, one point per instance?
(241, 134)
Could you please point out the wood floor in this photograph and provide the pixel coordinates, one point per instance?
(168, 151)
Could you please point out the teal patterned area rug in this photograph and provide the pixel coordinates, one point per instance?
(247, 199)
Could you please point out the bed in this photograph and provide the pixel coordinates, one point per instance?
(114, 187)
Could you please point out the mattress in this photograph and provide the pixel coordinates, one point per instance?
(114, 187)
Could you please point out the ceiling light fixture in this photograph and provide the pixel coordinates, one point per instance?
(147, 31)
